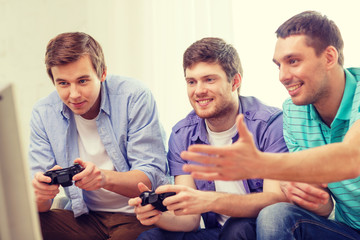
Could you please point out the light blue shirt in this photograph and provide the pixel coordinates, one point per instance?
(304, 128)
(128, 126)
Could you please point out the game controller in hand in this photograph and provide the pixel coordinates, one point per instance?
(150, 197)
(63, 176)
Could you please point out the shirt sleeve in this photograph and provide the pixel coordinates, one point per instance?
(145, 139)
(176, 146)
(41, 156)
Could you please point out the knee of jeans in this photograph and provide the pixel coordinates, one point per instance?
(238, 228)
(275, 214)
(152, 234)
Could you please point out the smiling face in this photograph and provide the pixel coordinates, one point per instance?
(79, 86)
(302, 72)
(210, 93)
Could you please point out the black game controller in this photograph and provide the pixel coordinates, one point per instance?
(150, 197)
(63, 176)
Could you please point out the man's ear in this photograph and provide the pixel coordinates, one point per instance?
(103, 76)
(332, 56)
(236, 82)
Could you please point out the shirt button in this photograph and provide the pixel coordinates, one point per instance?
(209, 182)
(247, 113)
(258, 184)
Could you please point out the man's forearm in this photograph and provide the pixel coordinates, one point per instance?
(44, 206)
(249, 205)
(125, 183)
(186, 223)
(329, 163)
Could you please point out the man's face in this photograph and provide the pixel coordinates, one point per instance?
(301, 72)
(209, 91)
(79, 87)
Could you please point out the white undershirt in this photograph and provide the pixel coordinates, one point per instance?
(236, 187)
(91, 149)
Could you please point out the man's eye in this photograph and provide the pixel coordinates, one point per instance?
(62, 83)
(293, 61)
(83, 81)
(210, 79)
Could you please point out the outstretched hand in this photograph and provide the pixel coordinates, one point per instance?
(233, 162)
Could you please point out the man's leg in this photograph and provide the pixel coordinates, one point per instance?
(159, 234)
(61, 224)
(239, 228)
(121, 226)
(288, 221)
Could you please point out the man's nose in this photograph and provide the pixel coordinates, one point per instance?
(74, 92)
(200, 88)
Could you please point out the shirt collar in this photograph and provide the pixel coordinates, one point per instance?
(104, 104)
(346, 102)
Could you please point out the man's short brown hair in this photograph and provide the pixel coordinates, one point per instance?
(69, 47)
(213, 50)
(320, 32)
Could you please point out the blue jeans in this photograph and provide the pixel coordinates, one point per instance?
(288, 221)
(234, 228)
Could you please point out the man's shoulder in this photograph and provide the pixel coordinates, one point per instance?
(254, 109)
(52, 101)
(190, 121)
(120, 85)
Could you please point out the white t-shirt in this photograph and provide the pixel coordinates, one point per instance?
(236, 187)
(91, 149)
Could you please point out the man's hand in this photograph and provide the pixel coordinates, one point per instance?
(147, 214)
(233, 162)
(43, 191)
(312, 197)
(187, 200)
(91, 178)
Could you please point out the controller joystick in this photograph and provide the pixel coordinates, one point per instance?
(150, 197)
(63, 176)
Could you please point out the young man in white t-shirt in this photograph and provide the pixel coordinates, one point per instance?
(106, 124)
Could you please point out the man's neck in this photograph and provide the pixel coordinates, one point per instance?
(329, 106)
(226, 121)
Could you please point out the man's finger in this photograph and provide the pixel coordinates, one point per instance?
(312, 190)
(244, 133)
(208, 150)
(200, 157)
(199, 168)
(142, 187)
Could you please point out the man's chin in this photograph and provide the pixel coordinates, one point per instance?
(204, 115)
(78, 111)
(299, 102)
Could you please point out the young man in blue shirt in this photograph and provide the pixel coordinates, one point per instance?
(107, 124)
(321, 129)
(213, 74)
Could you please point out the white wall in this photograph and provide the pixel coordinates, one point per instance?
(145, 39)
